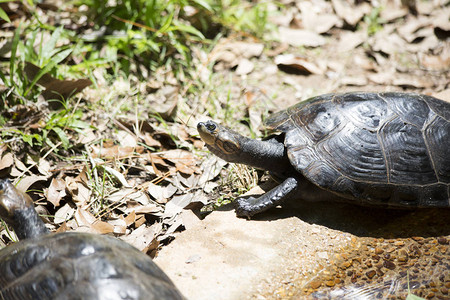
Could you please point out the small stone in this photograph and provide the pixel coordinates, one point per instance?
(346, 264)
(399, 243)
(442, 240)
(315, 284)
(430, 295)
(330, 283)
(378, 251)
(370, 274)
(402, 255)
(444, 290)
(389, 265)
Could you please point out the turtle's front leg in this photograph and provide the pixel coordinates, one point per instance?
(247, 207)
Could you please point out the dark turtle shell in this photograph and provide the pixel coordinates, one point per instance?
(80, 266)
(375, 148)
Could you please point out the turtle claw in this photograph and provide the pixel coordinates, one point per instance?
(244, 207)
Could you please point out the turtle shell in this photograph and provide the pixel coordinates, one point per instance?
(80, 266)
(374, 148)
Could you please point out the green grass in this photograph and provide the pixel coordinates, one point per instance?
(127, 39)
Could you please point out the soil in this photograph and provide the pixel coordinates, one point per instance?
(312, 250)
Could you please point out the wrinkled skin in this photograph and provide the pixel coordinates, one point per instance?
(385, 149)
(72, 265)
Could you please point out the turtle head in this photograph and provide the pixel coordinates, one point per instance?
(12, 200)
(220, 140)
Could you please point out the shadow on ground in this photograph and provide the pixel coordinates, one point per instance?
(366, 221)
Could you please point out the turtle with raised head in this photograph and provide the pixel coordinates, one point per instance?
(390, 149)
(71, 265)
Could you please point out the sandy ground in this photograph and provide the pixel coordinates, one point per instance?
(225, 257)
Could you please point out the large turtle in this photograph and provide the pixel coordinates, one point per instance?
(390, 149)
(71, 265)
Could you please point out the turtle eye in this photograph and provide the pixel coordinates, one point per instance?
(230, 147)
(211, 126)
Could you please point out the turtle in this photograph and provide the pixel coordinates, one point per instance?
(71, 265)
(389, 149)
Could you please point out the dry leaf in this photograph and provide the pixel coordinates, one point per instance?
(161, 193)
(130, 219)
(126, 139)
(63, 214)
(211, 168)
(142, 237)
(165, 102)
(56, 191)
(436, 62)
(298, 63)
(125, 194)
(78, 190)
(176, 205)
(319, 23)
(300, 37)
(115, 152)
(84, 218)
(355, 81)
(6, 161)
(55, 88)
(184, 161)
(351, 40)
(244, 67)
(28, 181)
(102, 227)
(350, 14)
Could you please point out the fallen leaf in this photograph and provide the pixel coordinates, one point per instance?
(410, 29)
(119, 176)
(211, 168)
(436, 62)
(56, 191)
(55, 88)
(165, 102)
(28, 181)
(350, 14)
(320, 23)
(300, 37)
(63, 214)
(388, 43)
(351, 40)
(184, 161)
(352, 80)
(84, 218)
(142, 237)
(130, 219)
(102, 227)
(125, 194)
(6, 161)
(161, 193)
(298, 63)
(176, 205)
(244, 67)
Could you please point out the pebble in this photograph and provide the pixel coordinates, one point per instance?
(378, 251)
(442, 240)
(389, 265)
(315, 284)
(370, 274)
